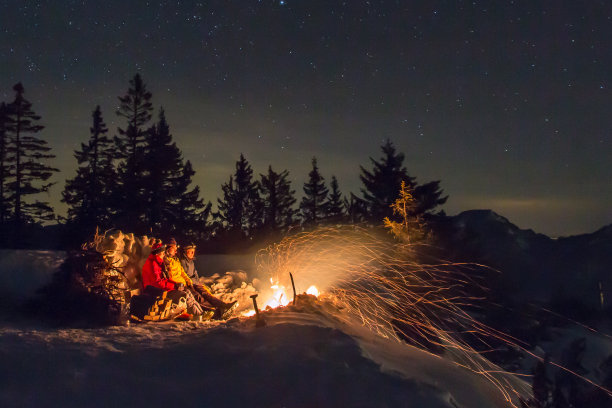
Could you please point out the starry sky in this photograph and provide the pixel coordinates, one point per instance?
(508, 103)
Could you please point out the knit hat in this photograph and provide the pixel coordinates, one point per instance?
(191, 245)
(158, 248)
(172, 242)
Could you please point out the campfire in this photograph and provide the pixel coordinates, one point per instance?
(280, 297)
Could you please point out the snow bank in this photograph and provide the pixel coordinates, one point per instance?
(22, 272)
(298, 360)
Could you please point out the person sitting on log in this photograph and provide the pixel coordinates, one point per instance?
(153, 277)
(201, 293)
(156, 280)
(155, 283)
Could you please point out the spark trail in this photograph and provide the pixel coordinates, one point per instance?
(384, 285)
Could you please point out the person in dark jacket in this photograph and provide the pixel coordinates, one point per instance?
(187, 261)
(201, 292)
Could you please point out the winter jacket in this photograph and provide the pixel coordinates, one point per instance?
(175, 271)
(153, 274)
(189, 267)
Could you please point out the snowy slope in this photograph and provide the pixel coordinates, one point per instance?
(297, 360)
(24, 271)
(302, 358)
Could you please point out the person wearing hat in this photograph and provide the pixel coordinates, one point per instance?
(187, 261)
(153, 270)
(175, 271)
(202, 293)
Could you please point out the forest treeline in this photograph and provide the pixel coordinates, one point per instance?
(137, 180)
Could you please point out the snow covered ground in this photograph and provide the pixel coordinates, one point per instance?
(301, 358)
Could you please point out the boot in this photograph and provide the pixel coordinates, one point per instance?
(225, 310)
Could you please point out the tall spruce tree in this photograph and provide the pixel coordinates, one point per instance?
(173, 206)
(314, 203)
(278, 200)
(136, 108)
(192, 214)
(355, 209)
(4, 170)
(28, 175)
(89, 193)
(335, 203)
(240, 211)
(382, 183)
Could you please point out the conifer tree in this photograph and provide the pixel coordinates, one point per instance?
(136, 108)
(335, 203)
(240, 210)
(428, 197)
(409, 227)
(172, 208)
(355, 209)
(382, 183)
(89, 193)
(192, 214)
(278, 200)
(4, 170)
(314, 203)
(25, 156)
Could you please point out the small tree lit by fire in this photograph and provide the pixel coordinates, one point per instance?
(410, 228)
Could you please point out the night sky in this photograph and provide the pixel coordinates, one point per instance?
(508, 103)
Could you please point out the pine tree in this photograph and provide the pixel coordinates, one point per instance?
(4, 170)
(172, 208)
(278, 200)
(335, 203)
(355, 209)
(192, 214)
(89, 193)
(136, 108)
(25, 156)
(314, 203)
(240, 211)
(384, 181)
(428, 197)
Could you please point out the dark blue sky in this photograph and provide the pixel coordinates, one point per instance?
(507, 102)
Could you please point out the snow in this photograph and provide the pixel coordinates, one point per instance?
(303, 357)
(23, 272)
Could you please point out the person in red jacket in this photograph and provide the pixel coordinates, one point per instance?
(153, 272)
(155, 280)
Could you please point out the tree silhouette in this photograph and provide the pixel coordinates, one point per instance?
(382, 183)
(335, 203)
(314, 203)
(89, 193)
(173, 207)
(192, 214)
(240, 211)
(278, 200)
(4, 170)
(136, 108)
(25, 156)
(355, 209)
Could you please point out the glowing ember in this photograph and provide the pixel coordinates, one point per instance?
(249, 313)
(279, 298)
(313, 291)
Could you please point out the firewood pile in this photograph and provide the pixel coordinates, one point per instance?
(93, 286)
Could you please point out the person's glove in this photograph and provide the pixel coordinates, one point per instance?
(179, 286)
